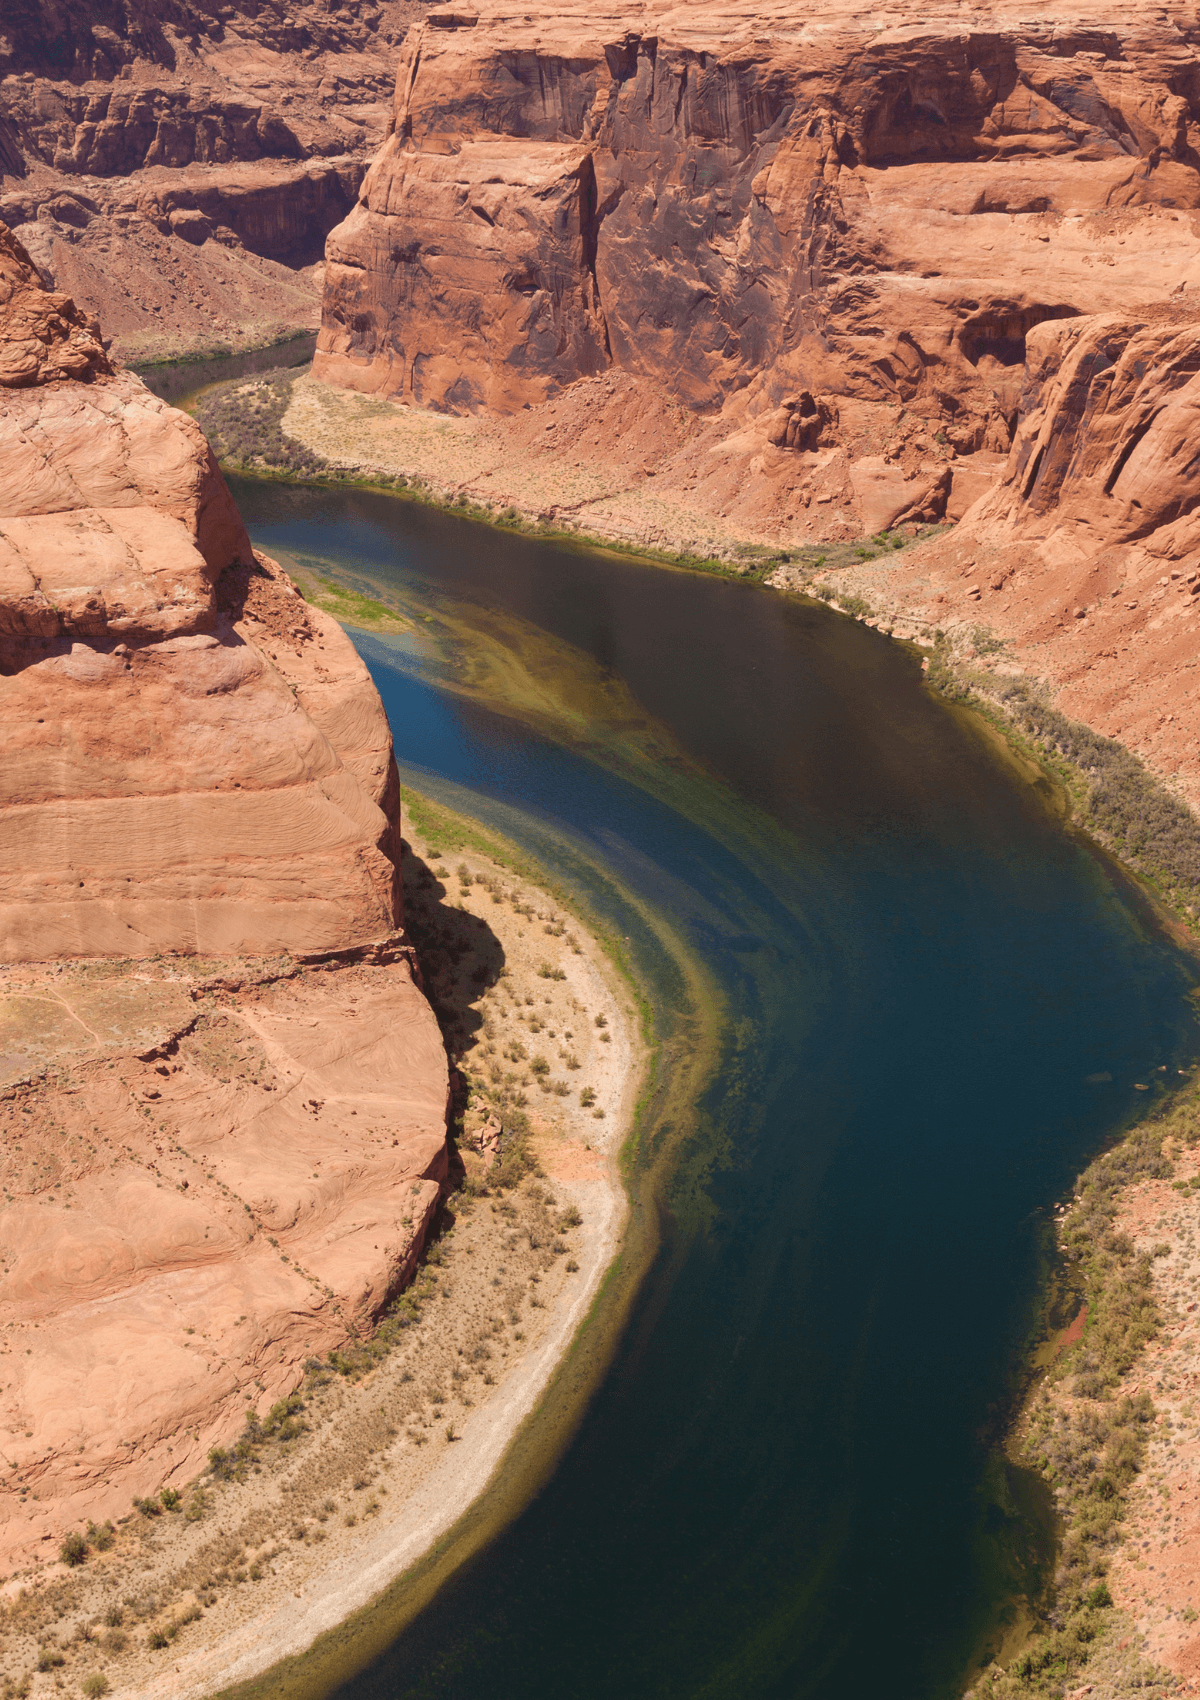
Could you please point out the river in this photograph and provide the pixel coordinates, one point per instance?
(787, 1482)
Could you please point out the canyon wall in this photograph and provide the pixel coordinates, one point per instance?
(222, 1093)
(1085, 557)
(743, 203)
(133, 134)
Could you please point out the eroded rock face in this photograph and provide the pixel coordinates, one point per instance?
(748, 204)
(134, 133)
(222, 1094)
(42, 336)
(781, 201)
(1084, 554)
(194, 759)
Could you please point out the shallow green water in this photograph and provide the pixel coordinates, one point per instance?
(786, 1482)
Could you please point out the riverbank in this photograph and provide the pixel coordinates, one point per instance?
(939, 659)
(326, 1496)
(653, 481)
(1112, 1425)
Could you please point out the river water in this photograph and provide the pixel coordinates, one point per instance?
(178, 381)
(787, 1482)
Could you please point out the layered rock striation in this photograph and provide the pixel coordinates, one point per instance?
(222, 1093)
(133, 134)
(746, 206)
(1085, 556)
(898, 269)
(195, 759)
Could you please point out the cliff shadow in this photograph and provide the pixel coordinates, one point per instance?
(461, 958)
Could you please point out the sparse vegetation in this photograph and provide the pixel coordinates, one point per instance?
(242, 420)
(1090, 1445)
(1132, 812)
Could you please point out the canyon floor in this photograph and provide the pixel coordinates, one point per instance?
(388, 1441)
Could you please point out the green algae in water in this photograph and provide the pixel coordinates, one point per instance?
(783, 1482)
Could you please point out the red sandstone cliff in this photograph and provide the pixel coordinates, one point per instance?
(222, 1095)
(177, 163)
(1086, 555)
(752, 206)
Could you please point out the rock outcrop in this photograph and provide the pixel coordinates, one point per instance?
(221, 1176)
(222, 1093)
(1084, 556)
(165, 783)
(132, 134)
(741, 205)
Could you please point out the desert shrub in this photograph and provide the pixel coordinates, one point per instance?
(243, 418)
(1092, 1447)
(95, 1685)
(74, 1548)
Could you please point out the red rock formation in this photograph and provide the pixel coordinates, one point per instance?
(781, 201)
(226, 1179)
(187, 767)
(745, 204)
(1085, 555)
(42, 336)
(131, 133)
(211, 1169)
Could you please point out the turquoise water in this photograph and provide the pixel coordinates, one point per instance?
(787, 1483)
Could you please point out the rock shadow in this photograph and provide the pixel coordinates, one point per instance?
(460, 955)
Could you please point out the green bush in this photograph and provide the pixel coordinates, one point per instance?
(1091, 1447)
(95, 1685)
(242, 419)
(74, 1548)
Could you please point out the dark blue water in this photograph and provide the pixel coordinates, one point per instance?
(787, 1483)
